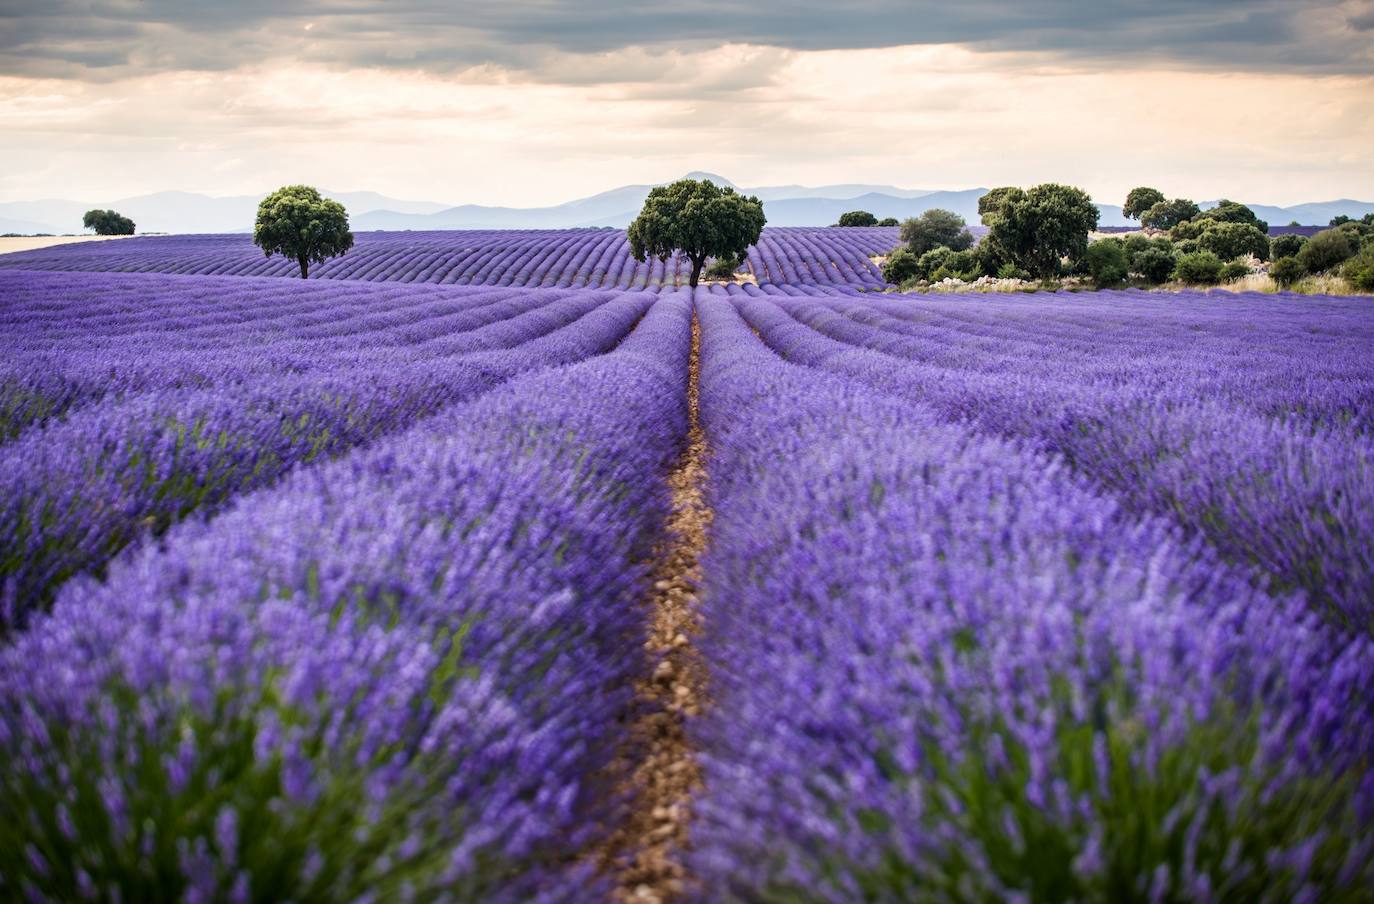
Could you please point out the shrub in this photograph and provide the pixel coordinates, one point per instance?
(935, 228)
(1011, 271)
(888, 221)
(1327, 249)
(1359, 270)
(857, 218)
(1233, 270)
(1286, 245)
(1188, 229)
(1287, 270)
(1107, 262)
(1154, 264)
(901, 265)
(724, 267)
(1229, 240)
(1201, 268)
(1187, 246)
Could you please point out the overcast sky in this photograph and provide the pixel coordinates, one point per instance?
(524, 102)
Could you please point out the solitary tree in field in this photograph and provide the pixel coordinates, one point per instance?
(697, 218)
(1139, 200)
(1038, 226)
(857, 218)
(107, 222)
(297, 222)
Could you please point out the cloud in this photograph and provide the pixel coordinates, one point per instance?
(108, 39)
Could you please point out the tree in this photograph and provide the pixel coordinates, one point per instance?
(857, 218)
(1287, 245)
(1233, 212)
(1359, 270)
(1328, 248)
(297, 222)
(698, 219)
(1140, 200)
(1200, 268)
(1154, 264)
(935, 228)
(1168, 214)
(1038, 227)
(107, 222)
(1107, 262)
(1230, 240)
(888, 221)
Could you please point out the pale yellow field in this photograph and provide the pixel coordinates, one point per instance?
(11, 244)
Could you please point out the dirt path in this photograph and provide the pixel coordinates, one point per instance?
(645, 855)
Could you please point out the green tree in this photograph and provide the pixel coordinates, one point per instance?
(1198, 268)
(1139, 200)
(1037, 227)
(1154, 264)
(1230, 240)
(888, 221)
(1234, 212)
(935, 228)
(1359, 270)
(1107, 262)
(1287, 270)
(107, 222)
(298, 223)
(1328, 248)
(697, 218)
(1168, 214)
(1287, 245)
(857, 218)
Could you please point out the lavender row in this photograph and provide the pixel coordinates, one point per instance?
(945, 668)
(1297, 504)
(397, 676)
(75, 493)
(596, 258)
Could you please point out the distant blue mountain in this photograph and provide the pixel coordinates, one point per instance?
(784, 205)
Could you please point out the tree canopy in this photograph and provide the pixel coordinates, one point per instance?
(699, 219)
(297, 222)
(1139, 200)
(1168, 214)
(935, 228)
(1039, 226)
(857, 218)
(1234, 212)
(107, 222)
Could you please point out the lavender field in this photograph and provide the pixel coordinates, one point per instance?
(499, 567)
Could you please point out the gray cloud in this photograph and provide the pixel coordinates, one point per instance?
(105, 39)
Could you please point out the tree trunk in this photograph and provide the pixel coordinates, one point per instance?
(697, 264)
(305, 265)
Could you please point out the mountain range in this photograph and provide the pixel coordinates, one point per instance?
(784, 205)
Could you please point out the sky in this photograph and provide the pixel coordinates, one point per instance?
(533, 102)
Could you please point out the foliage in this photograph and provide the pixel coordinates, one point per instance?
(1037, 227)
(1325, 250)
(951, 264)
(1202, 268)
(901, 265)
(936, 228)
(298, 223)
(1228, 240)
(1359, 270)
(1140, 200)
(1287, 245)
(1168, 214)
(724, 267)
(107, 222)
(857, 218)
(1287, 270)
(1154, 264)
(888, 221)
(1233, 212)
(698, 219)
(1233, 270)
(1107, 262)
